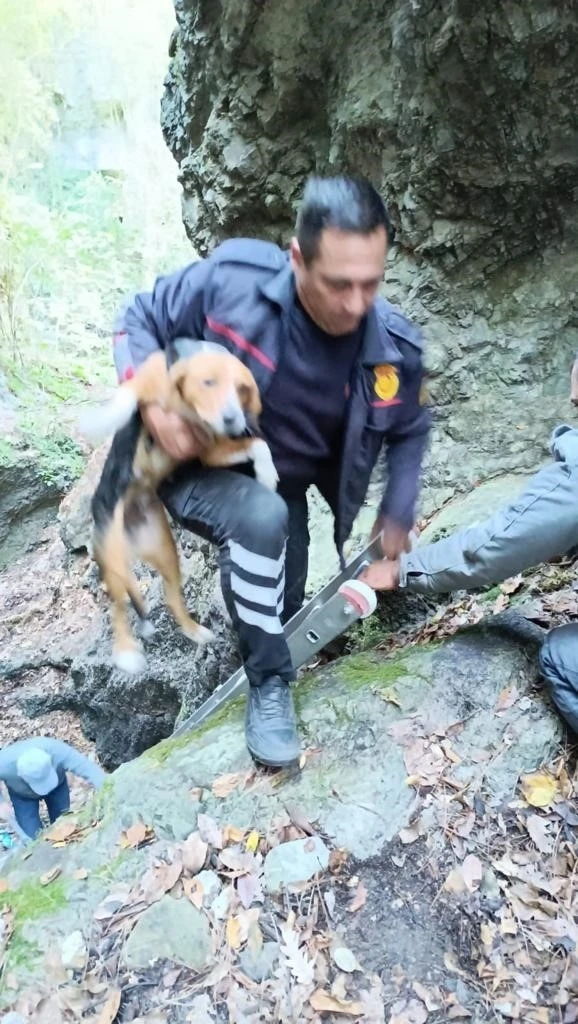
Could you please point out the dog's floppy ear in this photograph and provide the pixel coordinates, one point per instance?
(254, 403)
(177, 372)
(249, 395)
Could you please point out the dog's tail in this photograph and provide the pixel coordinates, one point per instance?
(98, 423)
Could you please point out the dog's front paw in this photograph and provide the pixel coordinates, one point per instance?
(200, 634)
(132, 662)
(265, 471)
(147, 630)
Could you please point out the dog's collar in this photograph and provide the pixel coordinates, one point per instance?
(184, 348)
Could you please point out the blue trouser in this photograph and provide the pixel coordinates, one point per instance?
(27, 809)
(559, 666)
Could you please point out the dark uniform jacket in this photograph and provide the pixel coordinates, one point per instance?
(239, 297)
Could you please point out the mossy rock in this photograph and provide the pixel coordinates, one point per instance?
(354, 783)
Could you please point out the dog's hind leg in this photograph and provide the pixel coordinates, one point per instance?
(120, 582)
(146, 627)
(155, 544)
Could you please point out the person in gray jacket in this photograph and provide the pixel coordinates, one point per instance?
(35, 769)
(538, 525)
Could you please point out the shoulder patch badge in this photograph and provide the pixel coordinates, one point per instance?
(386, 384)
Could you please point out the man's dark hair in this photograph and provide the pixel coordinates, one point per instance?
(348, 204)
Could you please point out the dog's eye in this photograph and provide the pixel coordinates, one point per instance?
(210, 382)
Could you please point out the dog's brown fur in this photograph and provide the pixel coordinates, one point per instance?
(134, 525)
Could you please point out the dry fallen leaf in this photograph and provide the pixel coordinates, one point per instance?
(487, 935)
(49, 876)
(80, 874)
(457, 1012)
(4, 886)
(507, 698)
(450, 752)
(227, 783)
(411, 833)
(194, 891)
(136, 835)
(302, 968)
(511, 585)
(233, 932)
(249, 889)
(337, 860)
(538, 832)
(167, 875)
(62, 831)
(359, 899)
(539, 789)
(110, 1009)
(194, 853)
(345, 959)
(502, 601)
(209, 831)
(232, 834)
(252, 841)
(324, 1002)
(299, 818)
(389, 695)
(411, 1012)
(432, 997)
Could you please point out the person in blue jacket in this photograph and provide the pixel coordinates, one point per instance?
(340, 374)
(33, 770)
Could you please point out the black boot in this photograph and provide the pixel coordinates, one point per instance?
(271, 724)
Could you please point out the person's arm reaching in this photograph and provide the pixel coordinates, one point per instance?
(540, 524)
(69, 759)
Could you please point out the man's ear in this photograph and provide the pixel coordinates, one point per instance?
(295, 254)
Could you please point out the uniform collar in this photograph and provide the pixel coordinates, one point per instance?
(280, 288)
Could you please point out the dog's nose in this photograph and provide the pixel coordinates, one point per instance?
(229, 422)
(574, 400)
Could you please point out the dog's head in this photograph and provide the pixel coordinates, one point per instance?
(217, 389)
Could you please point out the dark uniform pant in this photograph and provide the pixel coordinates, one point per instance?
(263, 542)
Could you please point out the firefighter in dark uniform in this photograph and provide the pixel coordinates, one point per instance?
(340, 374)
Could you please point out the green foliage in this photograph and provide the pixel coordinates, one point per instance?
(89, 203)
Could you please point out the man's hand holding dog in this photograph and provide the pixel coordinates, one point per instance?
(179, 439)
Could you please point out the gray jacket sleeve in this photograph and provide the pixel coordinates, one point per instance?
(538, 525)
(70, 760)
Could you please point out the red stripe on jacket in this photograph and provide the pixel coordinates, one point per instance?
(240, 342)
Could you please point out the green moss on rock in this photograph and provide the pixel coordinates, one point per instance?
(28, 902)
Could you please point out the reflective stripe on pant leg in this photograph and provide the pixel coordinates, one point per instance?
(257, 583)
(249, 523)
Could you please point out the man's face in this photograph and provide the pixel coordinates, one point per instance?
(341, 282)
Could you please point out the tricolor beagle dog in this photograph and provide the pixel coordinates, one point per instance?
(208, 386)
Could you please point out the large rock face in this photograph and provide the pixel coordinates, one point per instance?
(382, 733)
(465, 115)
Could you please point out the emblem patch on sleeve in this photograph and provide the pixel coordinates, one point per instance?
(386, 384)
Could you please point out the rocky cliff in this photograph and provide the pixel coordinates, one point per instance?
(466, 117)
